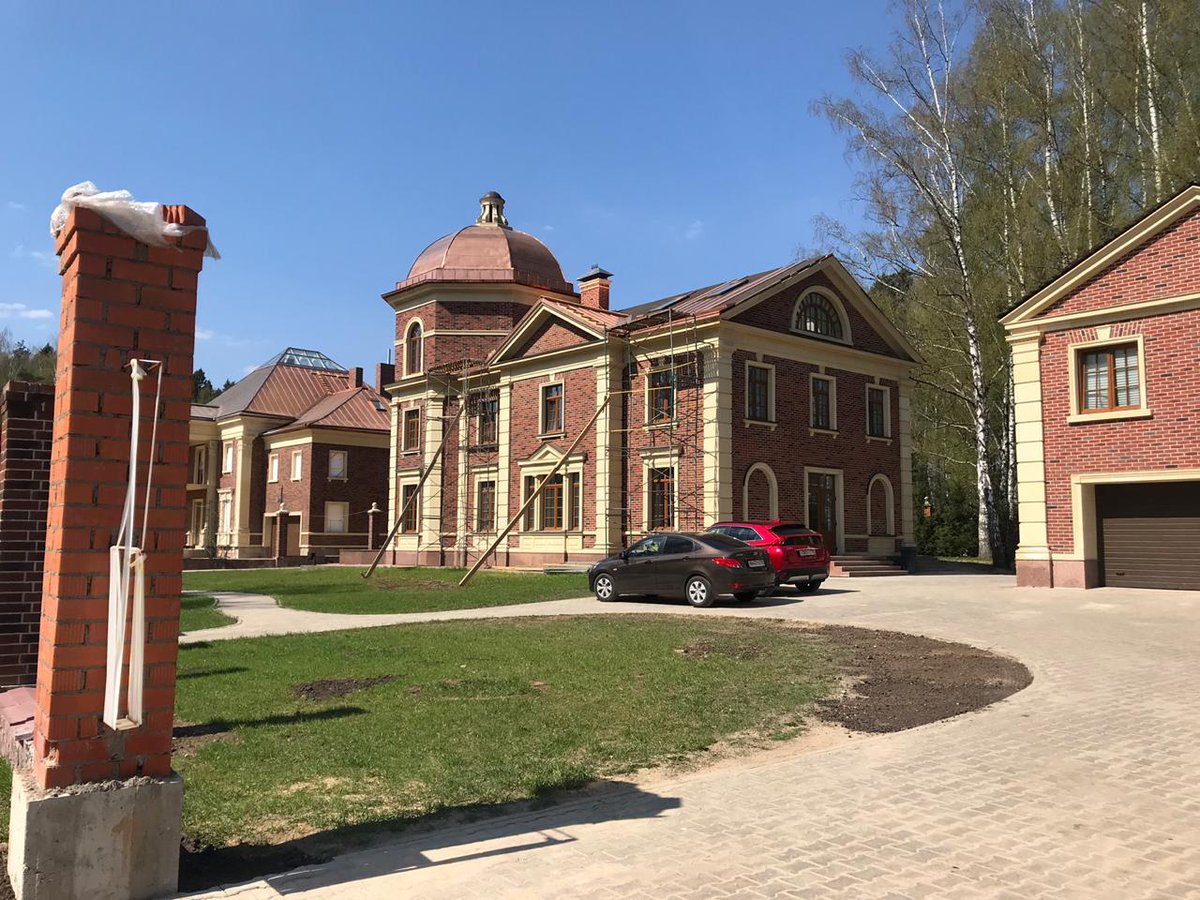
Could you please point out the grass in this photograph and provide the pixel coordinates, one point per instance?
(197, 611)
(5, 794)
(343, 590)
(478, 713)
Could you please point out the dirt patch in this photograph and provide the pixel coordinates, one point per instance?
(893, 681)
(188, 737)
(203, 868)
(726, 645)
(338, 687)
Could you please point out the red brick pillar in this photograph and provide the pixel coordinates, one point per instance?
(121, 300)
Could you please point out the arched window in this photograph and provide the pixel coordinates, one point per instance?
(815, 314)
(413, 349)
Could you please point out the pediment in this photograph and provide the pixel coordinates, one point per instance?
(545, 329)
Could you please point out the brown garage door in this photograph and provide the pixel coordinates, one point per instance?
(1150, 534)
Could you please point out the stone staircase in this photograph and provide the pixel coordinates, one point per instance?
(863, 567)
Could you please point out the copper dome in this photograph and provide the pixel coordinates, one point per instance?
(489, 251)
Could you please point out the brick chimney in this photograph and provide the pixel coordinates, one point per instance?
(385, 373)
(354, 378)
(593, 287)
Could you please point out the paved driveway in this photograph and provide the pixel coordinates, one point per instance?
(1083, 785)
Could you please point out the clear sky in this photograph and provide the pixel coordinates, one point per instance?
(328, 144)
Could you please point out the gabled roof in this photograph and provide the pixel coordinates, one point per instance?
(356, 408)
(591, 321)
(1099, 258)
(716, 298)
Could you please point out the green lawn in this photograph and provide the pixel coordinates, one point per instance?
(478, 712)
(5, 795)
(344, 590)
(198, 611)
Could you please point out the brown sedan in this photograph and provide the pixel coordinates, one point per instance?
(697, 567)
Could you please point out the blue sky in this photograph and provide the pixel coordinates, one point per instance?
(328, 144)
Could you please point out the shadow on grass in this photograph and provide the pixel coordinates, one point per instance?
(203, 673)
(400, 844)
(221, 726)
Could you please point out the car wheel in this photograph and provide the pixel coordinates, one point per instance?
(604, 588)
(810, 587)
(699, 592)
(745, 596)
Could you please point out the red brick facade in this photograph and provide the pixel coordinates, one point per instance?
(26, 419)
(1140, 292)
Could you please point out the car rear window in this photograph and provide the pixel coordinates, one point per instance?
(798, 536)
(722, 542)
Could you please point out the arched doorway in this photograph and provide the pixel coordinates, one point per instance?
(881, 516)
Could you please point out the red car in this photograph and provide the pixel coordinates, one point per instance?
(797, 552)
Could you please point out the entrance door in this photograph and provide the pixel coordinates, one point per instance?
(293, 535)
(822, 507)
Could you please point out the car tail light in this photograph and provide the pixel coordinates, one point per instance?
(727, 562)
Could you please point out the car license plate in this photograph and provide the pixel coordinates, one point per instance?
(808, 551)
(756, 563)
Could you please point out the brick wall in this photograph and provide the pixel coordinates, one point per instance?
(1167, 266)
(1169, 439)
(26, 416)
(121, 299)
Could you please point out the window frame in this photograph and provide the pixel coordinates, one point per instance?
(769, 410)
(839, 316)
(409, 368)
(297, 465)
(200, 465)
(812, 402)
(273, 467)
(1075, 353)
(485, 524)
(562, 409)
(887, 411)
(652, 390)
(489, 412)
(671, 513)
(227, 457)
(410, 519)
(413, 414)
(345, 475)
(553, 487)
(345, 507)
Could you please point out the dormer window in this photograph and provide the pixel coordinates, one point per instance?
(816, 314)
(413, 349)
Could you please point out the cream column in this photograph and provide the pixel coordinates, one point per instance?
(393, 509)
(503, 475)
(718, 431)
(429, 524)
(1031, 467)
(608, 446)
(212, 475)
(907, 527)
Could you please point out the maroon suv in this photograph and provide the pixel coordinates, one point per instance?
(797, 552)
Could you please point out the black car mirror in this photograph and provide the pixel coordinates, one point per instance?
(624, 554)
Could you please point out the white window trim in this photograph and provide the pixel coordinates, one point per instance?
(412, 479)
(770, 420)
(833, 417)
(345, 517)
(345, 476)
(887, 412)
(1141, 411)
(772, 481)
(273, 468)
(541, 470)
(404, 446)
(404, 346)
(200, 465)
(838, 307)
(542, 432)
(660, 459)
(662, 423)
(228, 452)
(225, 523)
(474, 523)
(297, 465)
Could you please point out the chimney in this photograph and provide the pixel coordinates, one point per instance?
(593, 287)
(385, 373)
(354, 378)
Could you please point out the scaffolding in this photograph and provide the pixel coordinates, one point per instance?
(665, 346)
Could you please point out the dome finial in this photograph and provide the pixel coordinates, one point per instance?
(491, 210)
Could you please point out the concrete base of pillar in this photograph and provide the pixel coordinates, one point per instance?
(99, 841)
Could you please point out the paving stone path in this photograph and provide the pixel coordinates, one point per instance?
(1083, 785)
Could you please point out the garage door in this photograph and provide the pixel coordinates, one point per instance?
(1150, 534)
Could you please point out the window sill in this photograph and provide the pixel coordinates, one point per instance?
(762, 423)
(812, 429)
(411, 451)
(1113, 415)
(878, 439)
(337, 478)
(668, 423)
(551, 435)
